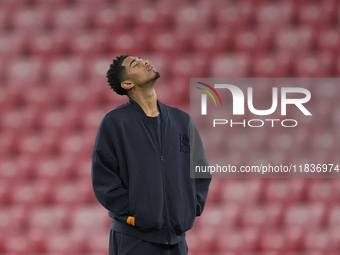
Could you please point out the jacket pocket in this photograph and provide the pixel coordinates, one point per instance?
(182, 210)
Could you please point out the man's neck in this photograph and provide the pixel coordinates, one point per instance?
(147, 100)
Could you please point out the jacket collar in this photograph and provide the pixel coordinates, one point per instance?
(136, 107)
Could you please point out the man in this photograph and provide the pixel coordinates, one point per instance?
(141, 166)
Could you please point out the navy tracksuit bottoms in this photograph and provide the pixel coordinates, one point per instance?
(121, 244)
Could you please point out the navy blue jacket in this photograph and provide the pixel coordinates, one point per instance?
(145, 183)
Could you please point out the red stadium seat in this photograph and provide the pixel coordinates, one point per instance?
(25, 72)
(15, 120)
(7, 143)
(52, 4)
(70, 18)
(320, 191)
(46, 218)
(192, 18)
(235, 17)
(276, 240)
(263, 217)
(5, 190)
(66, 242)
(306, 216)
(242, 191)
(88, 43)
(30, 19)
(316, 14)
(171, 43)
(98, 242)
(315, 66)
(31, 192)
(47, 44)
(65, 71)
(334, 216)
(285, 191)
(12, 218)
(73, 192)
(230, 66)
(244, 240)
(272, 66)
(318, 240)
(43, 98)
(212, 41)
(275, 15)
(253, 41)
(87, 218)
(295, 40)
(18, 243)
(189, 66)
(108, 17)
(328, 40)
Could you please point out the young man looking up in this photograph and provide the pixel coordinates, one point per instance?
(141, 166)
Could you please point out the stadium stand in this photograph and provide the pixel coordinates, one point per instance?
(53, 93)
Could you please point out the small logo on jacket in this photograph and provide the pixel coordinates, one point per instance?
(184, 145)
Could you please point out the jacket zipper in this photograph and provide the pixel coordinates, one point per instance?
(164, 189)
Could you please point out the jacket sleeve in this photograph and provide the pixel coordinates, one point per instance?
(198, 158)
(107, 185)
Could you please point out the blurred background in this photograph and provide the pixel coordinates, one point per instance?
(54, 55)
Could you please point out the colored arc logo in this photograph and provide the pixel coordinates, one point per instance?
(207, 91)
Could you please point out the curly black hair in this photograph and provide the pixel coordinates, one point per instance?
(115, 75)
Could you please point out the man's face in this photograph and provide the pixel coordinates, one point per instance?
(139, 71)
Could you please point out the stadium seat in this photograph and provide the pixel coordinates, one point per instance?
(267, 216)
(314, 66)
(275, 15)
(230, 66)
(242, 191)
(235, 17)
(98, 241)
(29, 193)
(285, 191)
(54, 167)
(47, 44)
(172, 43)
(72, 193)
(328, 39)
(18, 243)
(244, 240)
(320, 191)
(272, 66)
(30, 19)
(5, 191)
(65, 71)
(87, 218)
(276, 240)
(43, 98)
(319, 15)
(45, 218)
(52, 4)
(295, 39)
(25, 72)
(252, 41)
(7, 143)
(13, 218)
(192, 18)
(66, 242)
(306, 216)
(70, 18)
(318, 240)
(88, 43)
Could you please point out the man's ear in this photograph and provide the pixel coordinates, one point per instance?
(127, 85)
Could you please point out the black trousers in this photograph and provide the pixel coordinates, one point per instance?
(121, 244)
